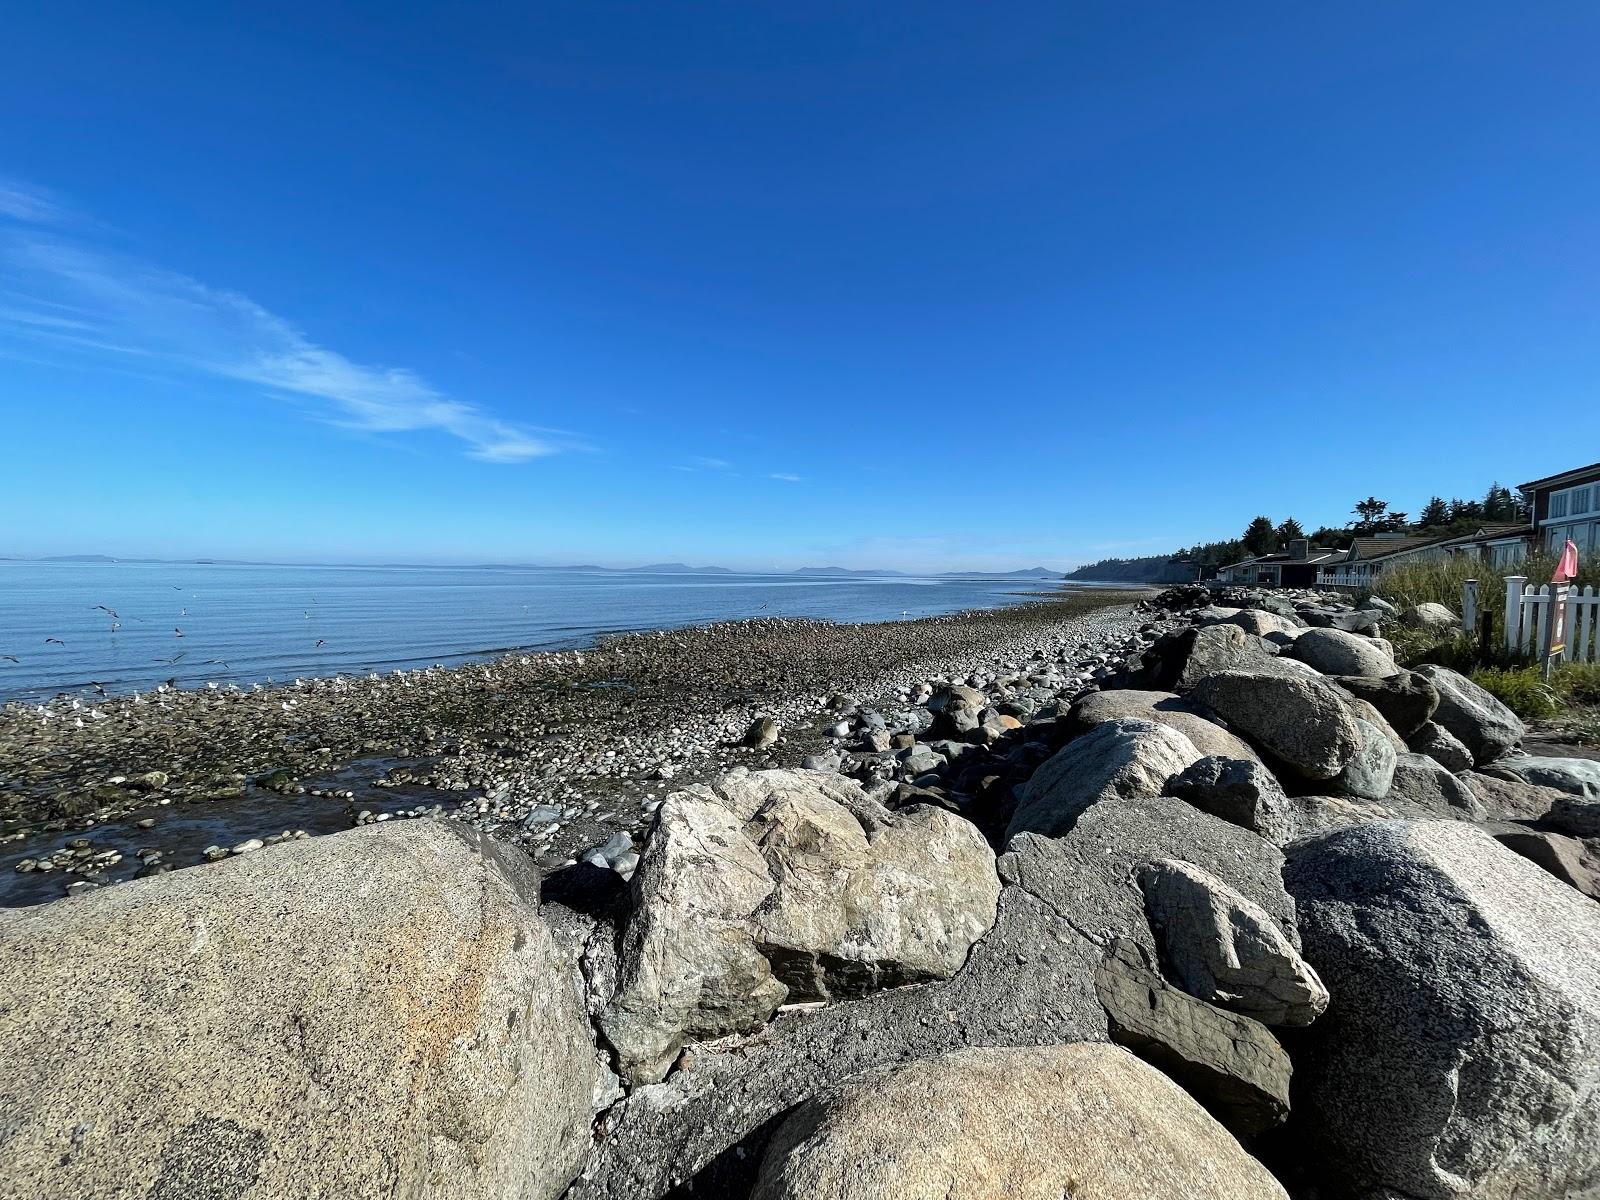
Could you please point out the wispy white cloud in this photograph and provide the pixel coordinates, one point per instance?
(76, 296)
(785, 477)
(21, 202)
(711, 464)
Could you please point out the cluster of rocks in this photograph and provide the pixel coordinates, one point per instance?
(1232, 907)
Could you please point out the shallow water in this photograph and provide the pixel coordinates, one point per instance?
(248, 624)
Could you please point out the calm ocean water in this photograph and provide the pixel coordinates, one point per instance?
(248, 624)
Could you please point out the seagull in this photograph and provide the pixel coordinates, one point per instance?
(177, 631)
(99, 687)
(320, 643)
(174, 658)
(111, 612)
(217, 662)
(57, 641)
(10, 657)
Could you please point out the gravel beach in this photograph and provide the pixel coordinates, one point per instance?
(565, 753)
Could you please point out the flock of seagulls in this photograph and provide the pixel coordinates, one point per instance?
(177, 632)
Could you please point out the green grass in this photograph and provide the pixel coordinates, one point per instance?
(1523, 691)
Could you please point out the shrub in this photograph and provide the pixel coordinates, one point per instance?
(1522, 690)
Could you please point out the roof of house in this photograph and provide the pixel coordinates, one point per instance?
(1366, 549)
(1318, 554)
(1560, 477)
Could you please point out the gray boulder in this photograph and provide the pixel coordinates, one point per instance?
(1263, 623)
(1230, 1063)
(1164, 708)
(1302, 721)
(1237, 790)
(1581, 818)
(375, 1013)
(1313, 816)
(1481, 723)
(1040, 1123)
(1509, 798)
(1123, 758)
(1406, 699)
(1359, 621)
(1226, 950)
(1430, 616)
(1179, 662)
(1567, 858)
(763, 732)
(1461, 1055)
(1335, 652)
(1578, 777)
(1428, 789)
(1370, 773)
(1439, 744)
(774, 885)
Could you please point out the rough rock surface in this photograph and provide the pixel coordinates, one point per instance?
(1028, 981)
(1439, 744)
(1178, 663)
(375, 1013)
(1236, 790)
(1430, 790)
(1406, 699)
(1511, 799)
(1230, 1063)
(1225, 950)
(1335, 652)
(1569, 859)
(1313, 816)
(1461, 1053)
(1578, 777)
(1164, 708)
(1431, 616)
(1581, 818)
(1481, 723)
(1123, 758)
(786, 884)
(1370, 773)
(1300, 720)
(1036, 1124)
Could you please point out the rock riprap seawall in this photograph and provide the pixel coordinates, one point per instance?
(1201, 917)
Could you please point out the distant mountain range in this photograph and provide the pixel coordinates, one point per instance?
(674, 568)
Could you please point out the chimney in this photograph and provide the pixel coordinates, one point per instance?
(1300, 549)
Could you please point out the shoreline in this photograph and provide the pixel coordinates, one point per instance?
(557, 750)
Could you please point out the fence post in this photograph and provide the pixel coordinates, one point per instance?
(1514, 611)
(1469, 605)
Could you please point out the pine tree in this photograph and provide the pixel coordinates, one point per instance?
(1436, 512)
(1260, 537)
(1370, 513)
(1288, 531)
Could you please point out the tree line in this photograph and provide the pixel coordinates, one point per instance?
(1370, 516)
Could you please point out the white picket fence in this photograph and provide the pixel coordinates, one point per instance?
(1529, 629)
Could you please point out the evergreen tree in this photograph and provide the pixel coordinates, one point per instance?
(1289, 530)
(1370, 515)
(1436, 512)
(1260, 537)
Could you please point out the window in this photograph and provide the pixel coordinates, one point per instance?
(1580, 500)
(1558, 504)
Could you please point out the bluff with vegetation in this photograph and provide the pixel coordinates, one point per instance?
(1445, 518)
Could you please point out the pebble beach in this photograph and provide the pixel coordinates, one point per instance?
(566, 754)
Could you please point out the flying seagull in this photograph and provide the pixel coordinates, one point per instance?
(57, 641)
(320, 643)
(177, 631)
(217, 662)
(174, 658)
(111, 612)
(10, 657)
(99, 687)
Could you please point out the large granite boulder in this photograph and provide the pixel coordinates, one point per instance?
(1228, 1062)
(1369, 774)
(1040, 1123)
(1481, 723)
(1461, 1053)
(376, 1013)
(1406, 699)
(787, 885)
(1578, 777)
(1358, 621)
(1509, 798)
(1569, 859)
(1225, 949)
(1439, 744)
(1423, 784)
(1435, 618)
(1237, 790)
(1299, 720)
(1124, 758)
(1181, 660)
(1164, 708)
(1335, 652)
(1313, 816)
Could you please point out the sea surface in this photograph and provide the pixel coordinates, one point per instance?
(244, 624)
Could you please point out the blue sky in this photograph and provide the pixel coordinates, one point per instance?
(893, 285)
